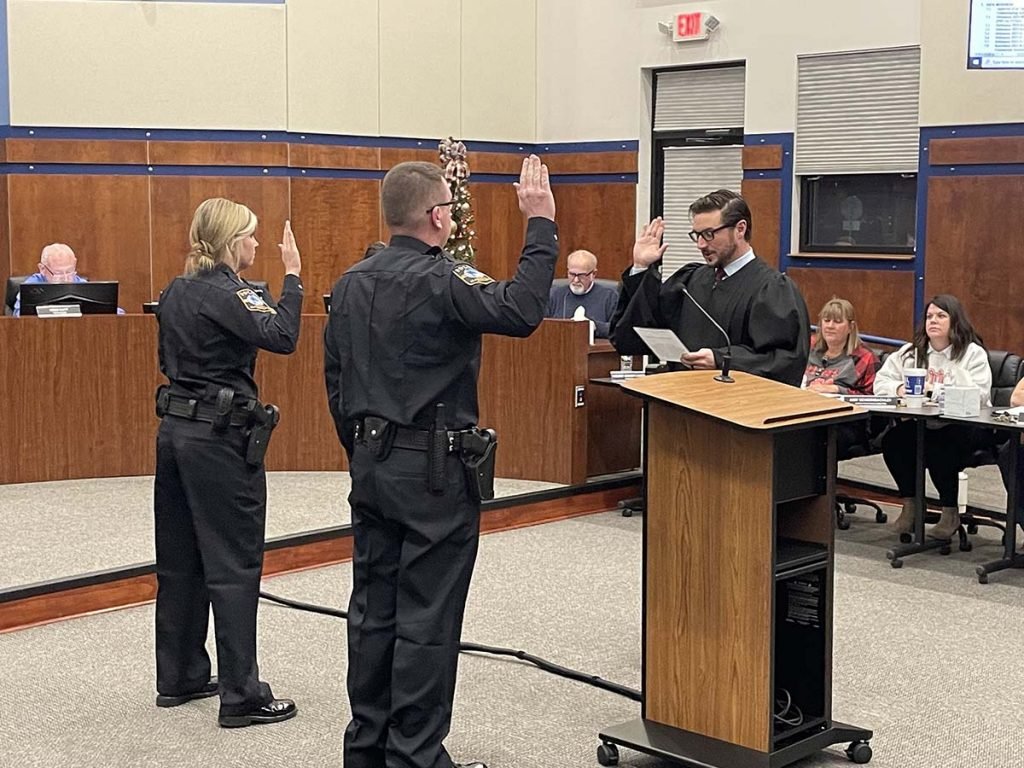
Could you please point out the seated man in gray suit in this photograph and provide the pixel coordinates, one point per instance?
(583, 290)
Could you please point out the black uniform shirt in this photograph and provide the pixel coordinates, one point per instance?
(211, 325)
(405, 325)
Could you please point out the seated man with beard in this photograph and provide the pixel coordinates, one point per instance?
(598, 300)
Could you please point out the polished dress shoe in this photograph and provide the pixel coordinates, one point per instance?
(274, 712)
(210, 689)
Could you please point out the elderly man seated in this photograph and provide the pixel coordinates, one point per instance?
(598, 301)
(57, 264)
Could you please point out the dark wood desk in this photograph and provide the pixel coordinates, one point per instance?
(76, 401)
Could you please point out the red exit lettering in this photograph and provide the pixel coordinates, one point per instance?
(688, 24)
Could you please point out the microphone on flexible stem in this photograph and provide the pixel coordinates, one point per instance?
(724, 376)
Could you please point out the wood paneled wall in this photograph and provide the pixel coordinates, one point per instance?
(133, 226)
(971, 251)
(883, 301)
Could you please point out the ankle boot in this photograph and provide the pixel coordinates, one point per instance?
(905, 522)
(947, 525)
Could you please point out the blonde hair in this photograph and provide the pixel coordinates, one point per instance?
(216, 226)
(837, 310)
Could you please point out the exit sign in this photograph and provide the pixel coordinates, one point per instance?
(689, 26)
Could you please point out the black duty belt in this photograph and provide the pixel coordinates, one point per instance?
(414, 439)
(197, 410)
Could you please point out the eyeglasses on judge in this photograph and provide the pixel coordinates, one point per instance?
(581, 275)
(707, 235)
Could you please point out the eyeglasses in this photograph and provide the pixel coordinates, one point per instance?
(441, 205)
(61, 275)
(709, 234)
(581, 275)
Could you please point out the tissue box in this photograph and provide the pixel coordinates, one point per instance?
(961, 401)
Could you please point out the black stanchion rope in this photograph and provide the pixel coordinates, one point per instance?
(543, 664)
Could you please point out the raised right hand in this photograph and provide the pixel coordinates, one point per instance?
(290, 251)
(534, 190)
(648, 248)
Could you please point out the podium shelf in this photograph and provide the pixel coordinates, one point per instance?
(792, 555)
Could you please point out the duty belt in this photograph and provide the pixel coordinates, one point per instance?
(197, 410)
(413, 439)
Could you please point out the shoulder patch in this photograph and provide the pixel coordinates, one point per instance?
(253, 302)
(470, 275)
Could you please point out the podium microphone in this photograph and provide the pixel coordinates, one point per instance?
(724, 376)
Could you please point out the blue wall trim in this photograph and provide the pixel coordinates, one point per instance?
(880, 265)
(785, 174)
(971, 131)
(302, 137)
(275, 171)
(1009, 169)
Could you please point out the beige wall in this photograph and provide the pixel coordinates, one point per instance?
(590, 55)
(364, 67)
(950, 93)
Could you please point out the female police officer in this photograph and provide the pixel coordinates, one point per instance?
(210, 489)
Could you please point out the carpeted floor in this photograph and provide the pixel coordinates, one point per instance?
(70, 528)
(924, 655)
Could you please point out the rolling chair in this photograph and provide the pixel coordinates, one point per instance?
(11, 296)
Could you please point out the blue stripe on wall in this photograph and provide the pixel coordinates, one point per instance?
(785, 173)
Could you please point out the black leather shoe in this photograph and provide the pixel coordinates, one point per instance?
(210, 689)
(274, 712)
(474, 764)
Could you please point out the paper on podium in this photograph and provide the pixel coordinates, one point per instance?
(664, 343)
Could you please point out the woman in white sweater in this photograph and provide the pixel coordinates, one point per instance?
(947, 346)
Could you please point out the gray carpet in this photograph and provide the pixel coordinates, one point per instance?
(925, 656)
(62, 529)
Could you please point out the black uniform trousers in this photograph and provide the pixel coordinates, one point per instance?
(210, 509)
(412, 563)
(946, 451)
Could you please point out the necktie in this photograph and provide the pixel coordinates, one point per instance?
(719, 274)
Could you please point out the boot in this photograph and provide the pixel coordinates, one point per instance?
(905, 522)
(947, 525)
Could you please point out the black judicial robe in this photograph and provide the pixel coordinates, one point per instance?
(760, 308)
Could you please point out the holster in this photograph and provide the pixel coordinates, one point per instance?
(163, 399)
(264, 419)
(478, 451)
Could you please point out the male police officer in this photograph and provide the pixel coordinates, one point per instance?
(402, 355)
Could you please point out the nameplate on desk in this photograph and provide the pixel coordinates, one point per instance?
(626, 374)
(58, 310)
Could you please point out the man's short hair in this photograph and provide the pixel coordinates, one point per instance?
(409, 189)
(733, 207)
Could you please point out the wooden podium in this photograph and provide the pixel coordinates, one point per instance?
(737, 574)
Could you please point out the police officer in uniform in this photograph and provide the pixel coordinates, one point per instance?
(210, 488)
(402, 355)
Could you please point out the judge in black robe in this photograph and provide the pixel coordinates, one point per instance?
(760, 309)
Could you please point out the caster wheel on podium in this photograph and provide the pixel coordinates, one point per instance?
(608, 754)
(859, 752)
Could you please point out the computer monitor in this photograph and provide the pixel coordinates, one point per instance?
(99, 298)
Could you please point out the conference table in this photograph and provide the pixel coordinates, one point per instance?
(919, 542)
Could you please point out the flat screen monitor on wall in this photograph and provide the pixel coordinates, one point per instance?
(996, 38)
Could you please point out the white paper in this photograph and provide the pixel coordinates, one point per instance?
(664, 343)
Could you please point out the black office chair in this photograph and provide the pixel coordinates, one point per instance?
(13, 287)
(868, 446)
